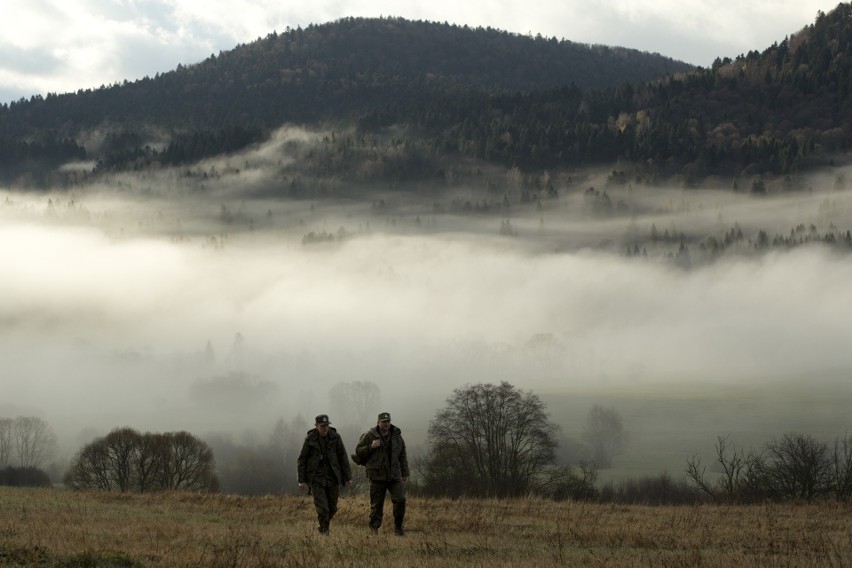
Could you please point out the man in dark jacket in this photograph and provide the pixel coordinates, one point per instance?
(323, 467)
(382, 451)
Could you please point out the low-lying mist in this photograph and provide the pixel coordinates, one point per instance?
(166, 303)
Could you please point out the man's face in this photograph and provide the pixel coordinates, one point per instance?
(384, 426)
(322, 429)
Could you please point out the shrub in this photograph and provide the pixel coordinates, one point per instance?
(126, 460)
(659, 490)
(24, 477)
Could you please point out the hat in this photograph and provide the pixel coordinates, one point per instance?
(322, 419)
(384, 416)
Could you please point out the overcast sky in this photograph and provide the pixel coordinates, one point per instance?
(64, 45)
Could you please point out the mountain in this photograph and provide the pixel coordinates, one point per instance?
(336, 72)
(772, 113)
(459, 94)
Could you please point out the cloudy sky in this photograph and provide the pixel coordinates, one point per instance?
(64, 45)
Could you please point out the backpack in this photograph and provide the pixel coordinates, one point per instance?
(356, 460)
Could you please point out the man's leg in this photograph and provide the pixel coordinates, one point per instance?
(377, 504)
(321, 505)
(333, 492)
(397, 492)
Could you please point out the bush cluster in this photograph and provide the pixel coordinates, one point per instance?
(126, 460)
(24, 477)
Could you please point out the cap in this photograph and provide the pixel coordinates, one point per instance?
(322, 419)
(384, 416)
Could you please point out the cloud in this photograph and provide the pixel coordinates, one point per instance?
(746, 315)
(38, 60)
(65, 46)
(110, 307)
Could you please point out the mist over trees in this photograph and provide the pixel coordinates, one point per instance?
(258, 463)
(490, 440)
(604, 433)
(354, 403)
(474, 130)
(236, 389)
(26, 442)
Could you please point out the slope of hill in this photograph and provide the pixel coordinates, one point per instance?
(773, 112)
(461, 94)
(337, 70)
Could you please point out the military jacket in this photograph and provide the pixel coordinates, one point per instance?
(311, 457)
(383, 463)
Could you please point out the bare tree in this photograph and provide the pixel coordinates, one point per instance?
(90, 468)
(286, 438)
(354, 402)
(741, 473)
(125, 460)
(733, 465)
(489, 440)
(841, 466)
(34, 441)
(793, 467)
(122, 450)
(604, 433)
(5, 442)
(190, 463)
(696, 472)
(797, 466)
(259, 465)
(150, 458)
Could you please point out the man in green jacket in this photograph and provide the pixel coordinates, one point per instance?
(382, 451)
(323, 467)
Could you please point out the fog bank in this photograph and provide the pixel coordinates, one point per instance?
(221, 314)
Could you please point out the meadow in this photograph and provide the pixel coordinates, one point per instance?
(56, 527)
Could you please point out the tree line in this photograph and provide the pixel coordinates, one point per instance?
(489, 440)
(795, 466)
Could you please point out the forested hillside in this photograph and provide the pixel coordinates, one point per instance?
(334, 73)
(772, 112)
(339, 70)
(455, 93)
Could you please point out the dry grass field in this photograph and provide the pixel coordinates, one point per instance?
(54, 527)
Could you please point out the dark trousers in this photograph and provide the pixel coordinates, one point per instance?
(378, 489)
(325, 502)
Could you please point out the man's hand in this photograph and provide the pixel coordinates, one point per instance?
(302, 486)
(376, 443)
(348, 483)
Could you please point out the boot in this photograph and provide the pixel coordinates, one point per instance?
(323, 526)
